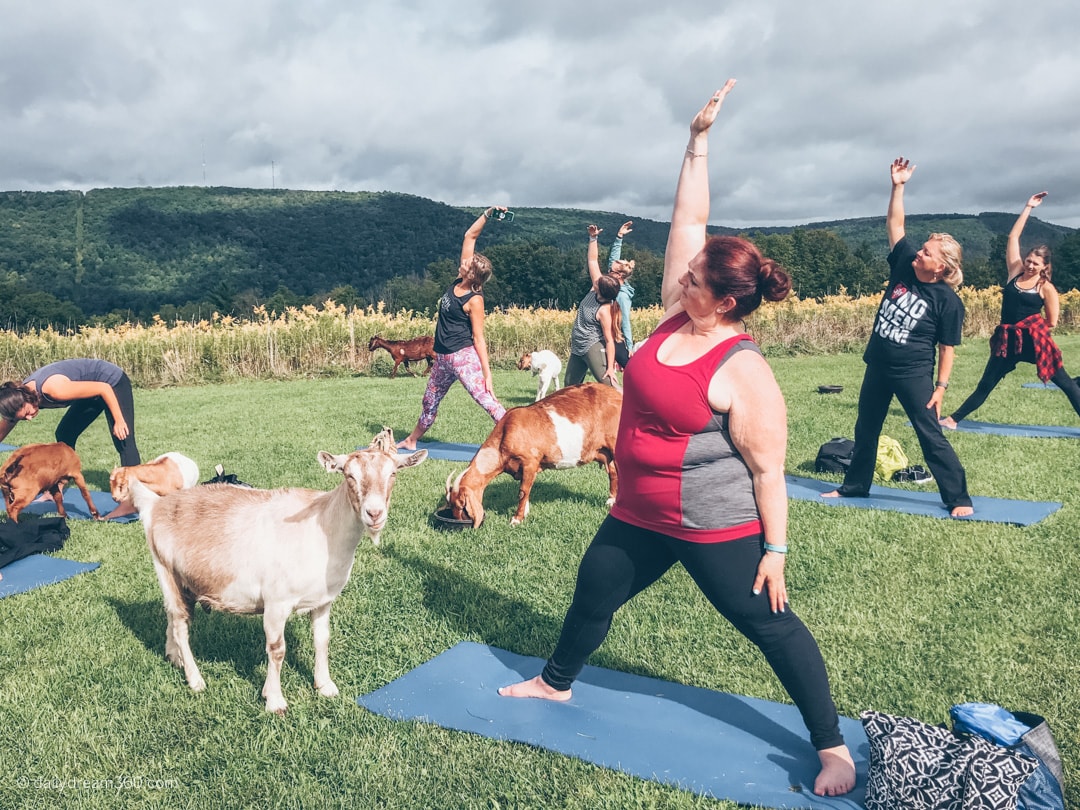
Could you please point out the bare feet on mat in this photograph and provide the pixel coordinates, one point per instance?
(837, 775)
(947, 422)
(962, 511)
(405, 444)
(834, 494)
(535, 688)
(121, 511)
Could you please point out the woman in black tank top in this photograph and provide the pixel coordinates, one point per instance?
(1023, 335)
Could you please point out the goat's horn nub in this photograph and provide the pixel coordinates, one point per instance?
(384, 441)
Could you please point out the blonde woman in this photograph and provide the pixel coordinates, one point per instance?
(919, 310)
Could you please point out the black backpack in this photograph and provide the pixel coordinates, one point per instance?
(835, 456)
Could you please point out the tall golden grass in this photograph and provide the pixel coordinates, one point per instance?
(332, 341)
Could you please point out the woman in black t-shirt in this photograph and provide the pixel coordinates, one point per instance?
(460, 348)
(1024, 334)
(919, 310)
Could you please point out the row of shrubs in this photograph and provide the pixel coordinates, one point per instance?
(332, 340)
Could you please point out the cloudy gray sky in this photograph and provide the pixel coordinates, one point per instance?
(551, 102)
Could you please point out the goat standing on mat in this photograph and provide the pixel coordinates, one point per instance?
(573, 426)
(547, 367)
(37, 468)
(406, 351)
(272, 552)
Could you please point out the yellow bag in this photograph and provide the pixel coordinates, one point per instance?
(890, 458)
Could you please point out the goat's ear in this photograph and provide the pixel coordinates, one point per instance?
(411, 460)
(330, 462)
(475, 507)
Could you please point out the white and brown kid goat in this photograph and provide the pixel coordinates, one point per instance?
(547, 367)
(272, 552)
(571, 427)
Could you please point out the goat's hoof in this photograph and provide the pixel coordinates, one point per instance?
(197, 684)
(277, 706)
(515, 521)
(328, 689)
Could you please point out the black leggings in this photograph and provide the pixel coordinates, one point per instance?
(623, 560)
(82, 412)
(998, 367)
(875, 397)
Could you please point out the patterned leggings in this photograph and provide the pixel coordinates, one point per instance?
(464, 366)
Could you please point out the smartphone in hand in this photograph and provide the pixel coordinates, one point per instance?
(502, 216)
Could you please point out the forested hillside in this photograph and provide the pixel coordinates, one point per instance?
(111, 255)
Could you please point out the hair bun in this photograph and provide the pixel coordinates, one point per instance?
(774, 281)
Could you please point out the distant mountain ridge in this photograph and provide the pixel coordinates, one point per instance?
(141, 249)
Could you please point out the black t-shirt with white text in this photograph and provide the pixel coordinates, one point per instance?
(913, 317)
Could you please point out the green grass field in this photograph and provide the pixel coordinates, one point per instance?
(912, 614)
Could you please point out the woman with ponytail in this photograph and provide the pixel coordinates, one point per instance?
(701, 447)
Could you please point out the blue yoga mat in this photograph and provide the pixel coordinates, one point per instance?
(1028, 431)
(75, 506)
(5, 447)
(447, 451)
(1047, 386)
(987, 510)
(742, 749)
(38, 570)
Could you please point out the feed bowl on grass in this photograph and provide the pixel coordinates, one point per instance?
(445, 520)
(830, 389)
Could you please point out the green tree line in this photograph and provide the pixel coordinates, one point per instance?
(114, 255)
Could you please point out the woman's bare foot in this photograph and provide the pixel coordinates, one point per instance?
(947, 422)
(405, 444)
(535, 688)
(120, 511)
(962, 511)
(837, 775)
(834, 494)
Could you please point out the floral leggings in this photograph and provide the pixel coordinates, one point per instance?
(462, 365)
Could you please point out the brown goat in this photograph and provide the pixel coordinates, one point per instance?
(571, 427)
(36, 468)
(405, 351)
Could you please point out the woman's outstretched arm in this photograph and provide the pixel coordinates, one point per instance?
(1013, 262)
(691, 210)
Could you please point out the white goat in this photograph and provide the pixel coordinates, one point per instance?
(546, 365)
(272, 552)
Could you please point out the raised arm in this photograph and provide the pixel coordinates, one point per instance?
(616, 246)
(900, 171)
(1013, 262)
(468, 244)
(691, 210)
(592, 258)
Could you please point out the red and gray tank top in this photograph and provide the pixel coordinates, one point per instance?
(679, 473)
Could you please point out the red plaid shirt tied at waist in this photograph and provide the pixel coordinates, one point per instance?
(1008, 339)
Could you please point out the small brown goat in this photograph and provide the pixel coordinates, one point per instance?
(406, 351)
(36, 468)
(273, 552)
(166, 473)
(571, 427)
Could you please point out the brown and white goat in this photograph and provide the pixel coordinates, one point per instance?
(37, 468)
(166, 473)
(571, 427)
(272, 552)
(406, 351)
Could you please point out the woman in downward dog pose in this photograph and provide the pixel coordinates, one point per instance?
(702, 440)
(1024, 334)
